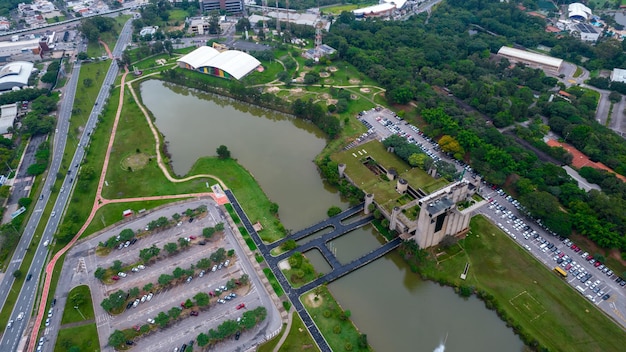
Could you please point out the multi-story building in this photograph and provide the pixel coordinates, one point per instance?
(230, 6)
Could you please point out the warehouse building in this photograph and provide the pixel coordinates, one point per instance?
(540, 61)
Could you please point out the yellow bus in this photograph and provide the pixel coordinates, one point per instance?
(560, 271)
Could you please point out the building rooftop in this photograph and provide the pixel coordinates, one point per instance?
(7, 116)
(236, 63)
(530, 56)
(439, 205)
(586, 28)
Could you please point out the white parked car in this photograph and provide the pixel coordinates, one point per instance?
(122, 274)
(149, 297)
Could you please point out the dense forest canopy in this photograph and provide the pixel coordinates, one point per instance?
(454, 49)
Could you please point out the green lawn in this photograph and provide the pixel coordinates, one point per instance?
(112, 213)
(178, 15)
(85, 337)
(82, 296)
(133, 169)
(272, 279)
(533, 298)
(150, 62)
(298, 339)
(327, 316)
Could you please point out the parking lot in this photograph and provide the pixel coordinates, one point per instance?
(245, 296)
(382, 123)
(589, 277)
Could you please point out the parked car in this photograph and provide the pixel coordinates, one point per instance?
(115, 277)
(241, 305)
(194, 313)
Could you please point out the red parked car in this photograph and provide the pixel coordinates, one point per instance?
(193, 237)
(597, 264)
(115, 277)
(241, 305)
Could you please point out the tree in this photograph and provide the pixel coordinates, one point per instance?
(334, 210)
(170, 248)
(219, 227)
(208, 232)
(117, 265)
(188, 303)
(117, 338)
(273, 208)
(202, 299)
(126, 235)
(162, 319)
(165, 279)
(203, 263)
(133, 292)
(214, 23)
(178, 272)
(174, 312)
(223, 152)
(87, 82)
(99, 273)
(148, 287)
(203, 339)
(182, 243)
(289, 245)
(417, 159)
(17, 273)
(24, 202)
(243, 24)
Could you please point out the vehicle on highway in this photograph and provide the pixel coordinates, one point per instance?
(29, 276)
(46, 243)
(10, 324)
(20, 316)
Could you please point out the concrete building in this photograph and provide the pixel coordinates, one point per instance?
(15, 75)
(230, 6)
(544, 62)
(441, 213)
(618, 75)
(198, 25)
(586, 31)
(8, 113)
(427, 218)
(227, 64)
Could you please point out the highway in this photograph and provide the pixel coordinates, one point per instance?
(11, 338)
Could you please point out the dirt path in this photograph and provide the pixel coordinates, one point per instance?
(106, 48)
(162, 165)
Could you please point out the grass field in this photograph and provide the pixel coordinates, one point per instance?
(533, 298)
(272, 279)
(250, 195)
(298, 339)
(85, 337)
(178, 15)
(82, 296)
(133, 169)
(326, 313)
